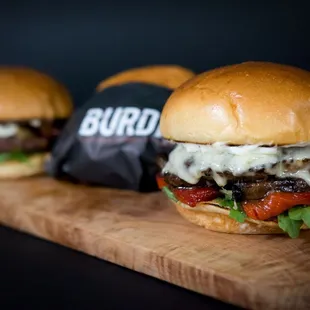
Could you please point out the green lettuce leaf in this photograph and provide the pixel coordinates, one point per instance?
(235, 209)
(4, 157)
(237, 215)
(306, 216)
(169, 193)
(15, 155)
(292, 227)
(300, 213)
(225, 202)
(296, 213)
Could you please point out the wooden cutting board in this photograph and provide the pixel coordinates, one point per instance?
(143, 232)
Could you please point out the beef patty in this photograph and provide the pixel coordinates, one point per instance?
(30, 139)
(247, 188)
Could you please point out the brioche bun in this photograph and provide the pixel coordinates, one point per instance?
(15, 170)
(215, 218)
(29, 94)
(247, 103)
(170, 76)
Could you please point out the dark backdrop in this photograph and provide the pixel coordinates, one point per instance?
(83, 42)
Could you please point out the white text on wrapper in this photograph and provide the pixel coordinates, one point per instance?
(120, 121)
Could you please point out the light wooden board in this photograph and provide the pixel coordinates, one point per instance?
(143, 232)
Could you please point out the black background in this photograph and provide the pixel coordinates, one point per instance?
(83, 43)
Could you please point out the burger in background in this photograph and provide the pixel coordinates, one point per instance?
(113, 140)
(33, 109)
(242, 160)
(167, 76)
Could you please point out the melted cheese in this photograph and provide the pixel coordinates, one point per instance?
(11, 129)
(189, 161)
(35, 123)
(8, 130)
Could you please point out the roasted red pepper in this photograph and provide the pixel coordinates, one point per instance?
(160, 181)
(191, 196)
(274, 204)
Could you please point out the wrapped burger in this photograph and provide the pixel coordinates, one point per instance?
(114, 140)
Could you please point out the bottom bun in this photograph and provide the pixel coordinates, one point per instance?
(215, 218)
(15, 170)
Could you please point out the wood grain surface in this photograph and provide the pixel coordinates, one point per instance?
(143, 232)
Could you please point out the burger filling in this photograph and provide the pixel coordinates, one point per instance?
(266, 183)
(20, 139)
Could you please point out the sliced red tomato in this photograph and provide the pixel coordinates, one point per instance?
(191, 196)
(274, 204)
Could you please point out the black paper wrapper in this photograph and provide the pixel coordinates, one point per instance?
(113, 140)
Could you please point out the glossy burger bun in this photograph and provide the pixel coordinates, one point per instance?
(15, 170)
(170, 76)
(29, 94)
(247, 103)
(215, 218)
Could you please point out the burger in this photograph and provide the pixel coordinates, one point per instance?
(170, 76)
(33, 109)
(241, 161)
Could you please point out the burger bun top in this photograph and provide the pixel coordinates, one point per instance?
(26, 93)
(249, 103)
(170, 76)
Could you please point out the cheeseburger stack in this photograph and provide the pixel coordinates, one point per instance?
(242, 160)
(33, 109)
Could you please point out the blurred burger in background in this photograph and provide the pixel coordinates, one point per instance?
(33, 109)
(169, 76)
(113, 139)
